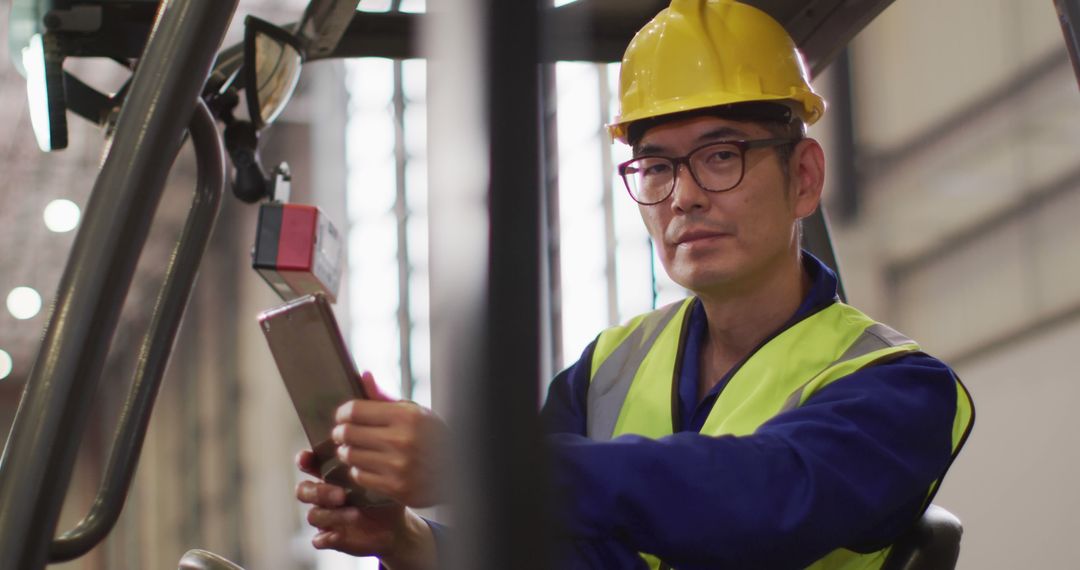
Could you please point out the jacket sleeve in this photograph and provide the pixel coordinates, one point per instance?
(564, 409)
(851, 468)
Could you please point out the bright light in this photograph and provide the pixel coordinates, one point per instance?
(62, 216)
(413, 6)
(37, 92)
(23, 303)
(374, 6)
(5, 364)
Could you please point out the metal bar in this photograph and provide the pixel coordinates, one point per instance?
(458, 234)
(599, 31)
(1069, 15)
(122, 35)
(392, 34)
(401, 213)
(484, 59)
(387, 35)
(190, 528)
(85, 101)
(606, 169)
(156, 346)
(816, 235)
(596, 31)
(823, 28)
(39, 456)
(508, 455)
(848, 199)
(816, 240)
(323, 24)
(553, 243)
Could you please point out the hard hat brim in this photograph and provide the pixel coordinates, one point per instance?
(808, 107)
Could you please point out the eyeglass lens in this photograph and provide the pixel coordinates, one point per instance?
(717, 167)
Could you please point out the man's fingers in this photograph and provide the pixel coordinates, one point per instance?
(371, 389)
(320, 494)
(391, 486)
(374, 461)
(370, 413)
(321, 539)
(328, 539)
(308, 463)
(324, 518)
(366, 437)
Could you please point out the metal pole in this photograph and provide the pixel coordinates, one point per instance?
(39, 457)
(458, 227)
(157, 344)
(843, 108)
(552, 276)
(485, 235)
(607, 169)
(401, 216)
(511, 519)
(817, 240)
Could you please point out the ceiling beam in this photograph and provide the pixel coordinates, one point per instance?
(599, 30)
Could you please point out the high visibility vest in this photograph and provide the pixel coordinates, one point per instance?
(634, 366)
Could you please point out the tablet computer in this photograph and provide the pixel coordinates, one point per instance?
(320, 376)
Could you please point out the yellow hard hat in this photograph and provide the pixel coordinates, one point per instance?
(697, 54)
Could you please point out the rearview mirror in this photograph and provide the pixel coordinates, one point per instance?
(272, 61)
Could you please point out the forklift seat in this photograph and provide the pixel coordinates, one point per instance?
(932, 543)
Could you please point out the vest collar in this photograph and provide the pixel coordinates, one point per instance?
(692, 414)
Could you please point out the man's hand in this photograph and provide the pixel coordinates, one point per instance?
(392, 447)
(400, 538)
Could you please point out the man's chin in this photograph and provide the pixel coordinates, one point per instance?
(702, 280)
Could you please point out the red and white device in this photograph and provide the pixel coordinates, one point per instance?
(297, 250)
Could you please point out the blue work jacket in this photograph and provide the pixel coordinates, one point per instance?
(882, 435)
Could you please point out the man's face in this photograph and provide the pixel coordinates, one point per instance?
(714, 241)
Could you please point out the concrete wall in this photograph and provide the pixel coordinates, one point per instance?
(1014, 487)
(968, 242)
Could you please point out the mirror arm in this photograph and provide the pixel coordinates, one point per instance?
(229, 61)
(85, 101)
(157, 343)
(242, 144)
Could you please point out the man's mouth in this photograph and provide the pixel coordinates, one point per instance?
(689, 237)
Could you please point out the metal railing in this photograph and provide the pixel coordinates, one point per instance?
(156, 346)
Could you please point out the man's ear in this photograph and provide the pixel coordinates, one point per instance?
(807, 176)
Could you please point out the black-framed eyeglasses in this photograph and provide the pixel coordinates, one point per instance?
(716, 167)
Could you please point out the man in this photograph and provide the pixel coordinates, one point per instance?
(760, 423)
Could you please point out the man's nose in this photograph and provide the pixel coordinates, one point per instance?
(687, 194)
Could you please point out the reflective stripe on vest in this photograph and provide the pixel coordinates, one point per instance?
(620, 355)
(635, 365)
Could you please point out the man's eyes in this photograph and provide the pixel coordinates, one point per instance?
(649, 168)
(657, 168)
(720, 156)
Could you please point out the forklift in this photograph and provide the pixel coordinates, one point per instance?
(185, 87)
